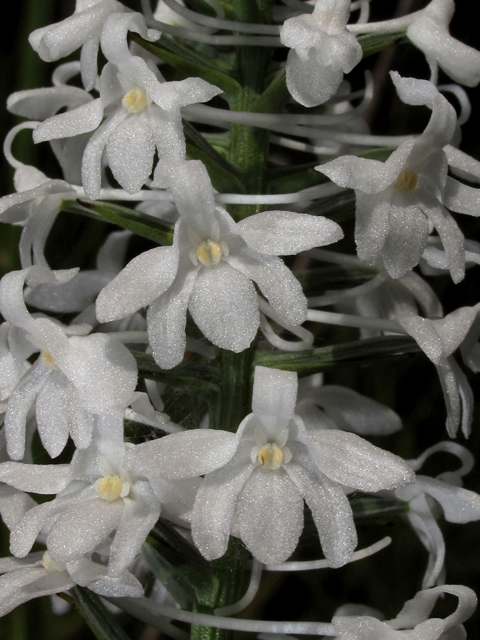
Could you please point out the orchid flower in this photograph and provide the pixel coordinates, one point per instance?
(257, 479)
(75, 378)
(322, 50)
(397, 202)
(429, 32)
(210, 269)
(438, 339)
(413, 620)
(82, 29)
(458, 505)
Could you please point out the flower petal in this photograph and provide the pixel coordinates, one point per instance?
(51, 411)
(458, 504)
(36, 478)
(85, 118)
(352, 461)
(224, 306)
(282, 233)
(270, 515)
(274, 393)
(25, 584)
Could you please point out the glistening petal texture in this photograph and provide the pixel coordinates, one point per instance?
(145, 278)
(224, 306)
(282, 233)
(215, 505)
(274, 393)
(85, 118)
(276, 281)
(329, 506)
(458, 504)
(36, 478)
(270, 515)
(348, 459)
(79, 529)
(130, 152)
(310, 82)
(25, 584)
(51, 411)
(372, 215)
(186, 454)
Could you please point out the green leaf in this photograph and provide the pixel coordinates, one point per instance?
(140, 223)
(360, 352)
(167, 574)
(274, 98)
(196, 378)
(191, 63)
(374, 42)
(316, 281)
(366, 507)
(100, 621)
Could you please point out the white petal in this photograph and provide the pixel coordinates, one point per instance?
(330, 509)
(88, 62)
(145, 278)
(310, 82)
(193, 194)
(166, 319)
(140, 514)
(352, 411)
(451, 395)
(83, 119)
(274, 393)
(215, 504)
(36, 478)
(459, 505)
(372, 217)
(51, 411)
(79, 529)
(186, 454)
(130, 150)
(224, 306)
(430, 534)
(14, 504)
(270, 515)
(284, 233)
(39, 104)
(25, 584)
(461, 198)
(276, 281)
(348, 459)
(95, 576)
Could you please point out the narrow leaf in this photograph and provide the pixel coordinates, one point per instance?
(374, 42)
(171, 579)
(101, 622)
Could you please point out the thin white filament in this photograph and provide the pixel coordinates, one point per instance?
(465, 457)
(333, 297)
(308, 565)
(461, 95)
(250, 594)
(305, 336)
(278, 342)
(364, 6)
(217, 23)
(386, 26)
(320, 191)
(462, 164)
(7, 145)
(297, 145)
(360, 322)
(153, 613)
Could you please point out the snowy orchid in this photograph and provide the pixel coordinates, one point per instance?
(322, 51)
(413, 620)
(82, 29)
(397, 202)
(429, 32)
(75, 378)
(102, 491)
(257, 479)
(438, 339)
(458, 505)
(210, 269)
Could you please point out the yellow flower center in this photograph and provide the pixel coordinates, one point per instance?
(48, 361)
(50, 565)
(209, 253)
(109, 488)
(135, 100)
(407, 181)
(271, 456)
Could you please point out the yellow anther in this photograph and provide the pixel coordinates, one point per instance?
(135, 100)
(48, 361)
(109, 488)
(271, 456)
(407, 180)
(209, 253)
(50, 565)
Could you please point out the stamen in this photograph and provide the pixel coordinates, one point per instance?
(48, 361)
(407, 181)
(271, 456)
(209, 253)
(135, 100)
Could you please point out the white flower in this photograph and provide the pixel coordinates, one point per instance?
(102, 495)
(438, 339)
(75, 378)
(457, 504)
(257, 479)
(82, 29)
(143, 116)
(400, 200)
(429, 32)
(210, 269)
(413, 621)
(322, 51)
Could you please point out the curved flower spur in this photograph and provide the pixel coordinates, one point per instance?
(210, 268)
(257, 479)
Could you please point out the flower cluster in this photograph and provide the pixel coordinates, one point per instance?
(155, 406)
